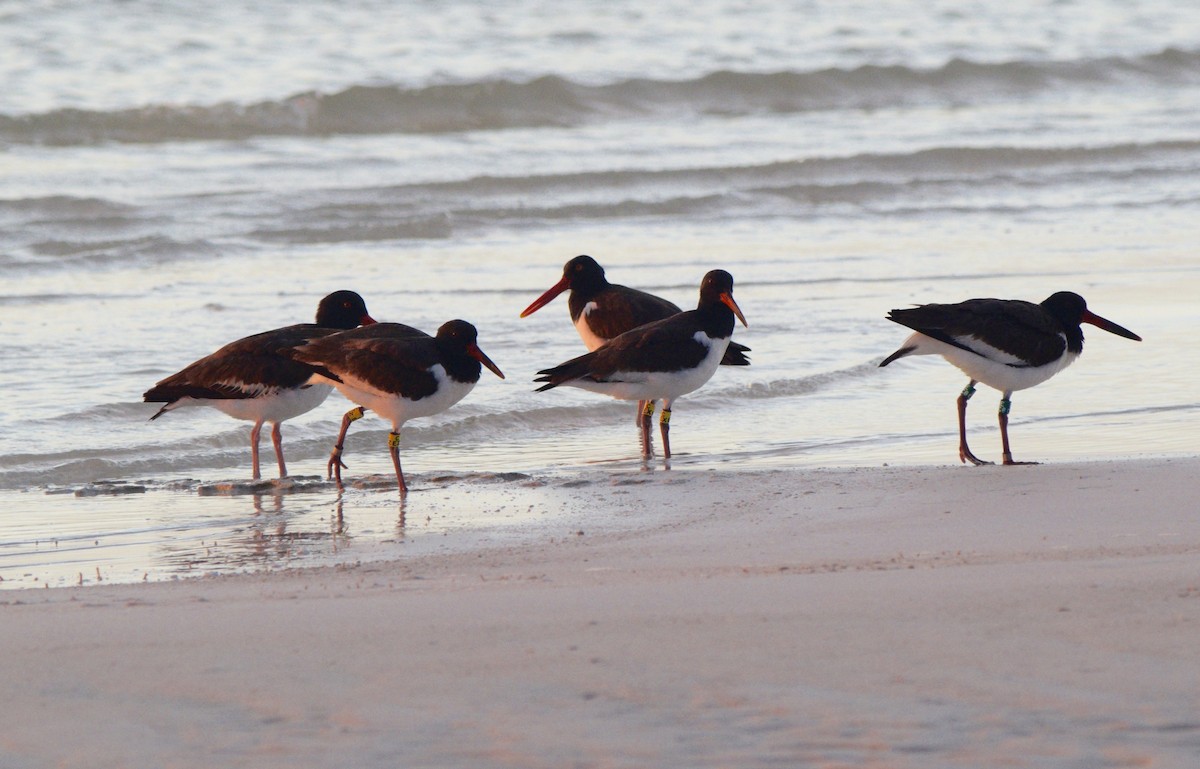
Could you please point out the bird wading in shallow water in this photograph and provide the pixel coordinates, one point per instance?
(661, 360)
(602, 311)
(255, 379)
(334, 467)
(1007, 344)
(399, 376)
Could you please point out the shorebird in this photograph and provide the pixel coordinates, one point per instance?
(661, 360)
(387, 369)
(254, 379)
(601, 311)
(334, 467)
(1007, 344)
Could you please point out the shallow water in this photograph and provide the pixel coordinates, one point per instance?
(212, 177)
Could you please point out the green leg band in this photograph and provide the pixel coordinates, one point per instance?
(968, 391)
(1005, 406)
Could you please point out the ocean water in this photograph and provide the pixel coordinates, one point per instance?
(175, 177)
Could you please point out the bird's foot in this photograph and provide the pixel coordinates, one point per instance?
(965, 455)
(334, 467)
(1008, 460)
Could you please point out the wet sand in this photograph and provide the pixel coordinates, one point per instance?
(883, 617)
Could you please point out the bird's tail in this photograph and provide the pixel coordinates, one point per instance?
(903, 351)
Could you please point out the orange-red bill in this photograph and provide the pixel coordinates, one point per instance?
(478, 355)
(727, 300)
(1109, 326)
(547, 297)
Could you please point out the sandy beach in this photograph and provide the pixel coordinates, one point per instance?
(883, 617)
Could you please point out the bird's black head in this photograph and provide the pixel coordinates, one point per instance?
(717, 289)
(344, 310)
(1070, 310)
(457, 333)
(583, 273)
(1066, 307)
(458, 338)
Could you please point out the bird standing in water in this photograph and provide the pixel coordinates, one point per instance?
(661, 360)
(255, 379)
(601, 311)
(388, 370)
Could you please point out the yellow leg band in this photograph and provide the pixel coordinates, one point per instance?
(358, 412)
(649, 409)
(665, 417)
(393, 440)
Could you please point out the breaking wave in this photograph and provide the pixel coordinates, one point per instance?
(551, 101)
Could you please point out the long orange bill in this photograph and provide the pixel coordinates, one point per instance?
(547, 297)
(1108, 325)
(727, 300)
(478, 355)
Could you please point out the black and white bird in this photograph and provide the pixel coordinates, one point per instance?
(601, 311)
(1007, 344)
(382, 331)
(661, 360)
(387, 369)
(255, 379)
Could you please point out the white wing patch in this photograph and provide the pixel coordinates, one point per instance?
(252, 390)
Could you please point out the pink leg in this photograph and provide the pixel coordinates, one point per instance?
(664, 427)
(254, 433)
(394, 447)
(277, 440)
(1005, 405)
(647, 415)
(335, 464)
(964, 452)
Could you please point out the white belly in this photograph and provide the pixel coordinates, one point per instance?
(399, 410)
(993, 373)
(269, 408)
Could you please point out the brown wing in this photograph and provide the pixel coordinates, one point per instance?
(386, 362)
(247, 368)
(621, 309)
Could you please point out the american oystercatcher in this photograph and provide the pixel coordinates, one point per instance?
(1007, 344)
(400, 376)
(661, 360)
(254, 378)
(601, 311)
(335, 465)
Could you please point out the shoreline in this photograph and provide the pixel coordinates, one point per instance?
(897, 616)
(156, 530)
